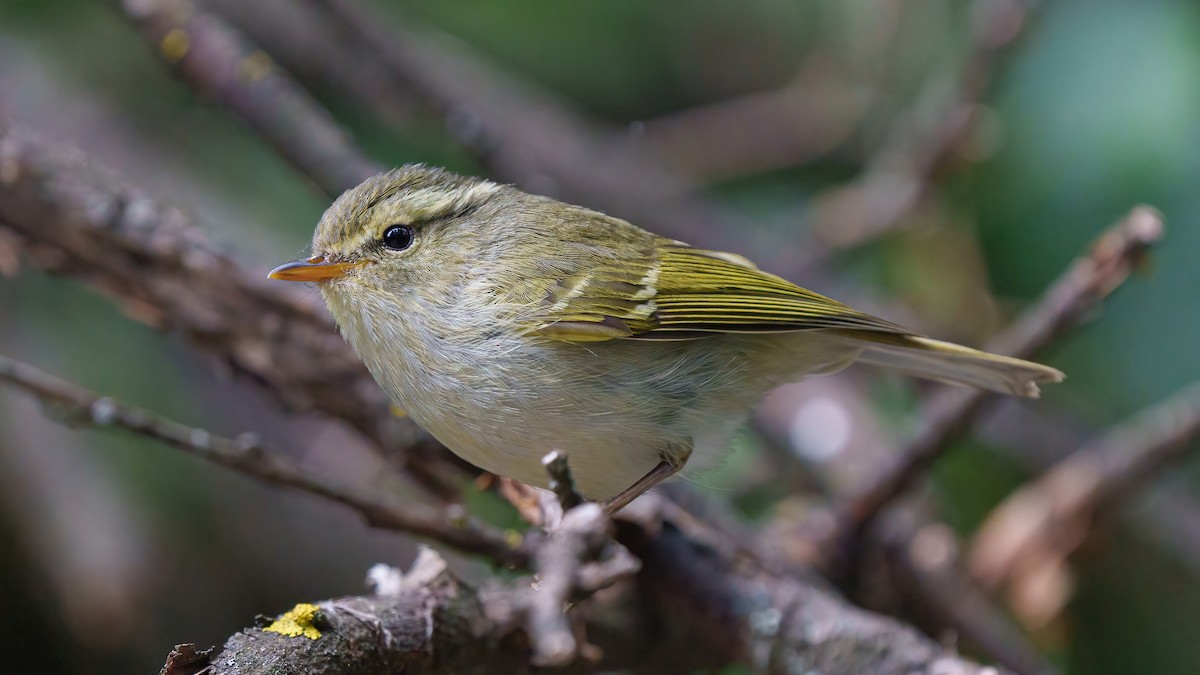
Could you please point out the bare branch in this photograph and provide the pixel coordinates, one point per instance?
(695, 608)
(71, 218)
(921, 139)
(1113, 257)
(1088, 281)
(519, 132)
(774, 621)
(1164, 515)
(925, 571)
(424, 622)
(1028, 538)
(248, 455)
(788, 126)
(213, 59)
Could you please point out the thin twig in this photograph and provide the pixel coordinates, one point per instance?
(1035, 530)
(249, 455)
(1113, 257)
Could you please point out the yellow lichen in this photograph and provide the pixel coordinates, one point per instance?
(255, 66)
(297, 622)
(175, 44)
(513, 538)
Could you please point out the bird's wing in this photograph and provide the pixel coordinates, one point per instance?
(676, 292)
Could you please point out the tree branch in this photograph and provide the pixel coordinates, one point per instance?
(520, 132)
(1028, 538)
(1113, 257)
(73, 219)
(1165, 515)
(214, 60)
(924, 574)
(920, 139)
(687, 609)
(577, 559)
(791, 125)
(774, 621)
(248, 455)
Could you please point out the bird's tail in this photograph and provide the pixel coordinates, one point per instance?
(948, 362)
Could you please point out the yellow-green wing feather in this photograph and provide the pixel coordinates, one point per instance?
(670, 291)
(674, 291)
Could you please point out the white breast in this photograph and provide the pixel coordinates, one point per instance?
(502, 400)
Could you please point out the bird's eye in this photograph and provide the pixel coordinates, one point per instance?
(398, 237)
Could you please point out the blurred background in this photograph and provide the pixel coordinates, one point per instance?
(951, 157)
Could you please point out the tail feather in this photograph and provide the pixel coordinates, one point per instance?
(955, 364)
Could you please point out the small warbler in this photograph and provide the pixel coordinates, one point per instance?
(509, 325)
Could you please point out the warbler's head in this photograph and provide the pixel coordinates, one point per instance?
(400, 229)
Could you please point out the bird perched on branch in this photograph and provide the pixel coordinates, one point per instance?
(509, 325)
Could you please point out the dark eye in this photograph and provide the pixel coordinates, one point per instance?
(398, 237)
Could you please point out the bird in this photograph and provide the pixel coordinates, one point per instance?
(509, 325)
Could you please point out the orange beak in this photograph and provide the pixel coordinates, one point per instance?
(313, 269)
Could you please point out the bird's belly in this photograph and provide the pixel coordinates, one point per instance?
(612, 407)
(509, 432)
(601, 467)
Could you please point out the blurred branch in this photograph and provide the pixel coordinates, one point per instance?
(1166, 515)
(925, 572)
(72, 219)
(922, 139)
(1112, 258)
(251, 456)
(785, 127)
(519, 131)
(214, 60)
(1115, 255)
(729, 600)
(1027, 540)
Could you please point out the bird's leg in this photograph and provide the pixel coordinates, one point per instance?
(670, 465)
(658, 474)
